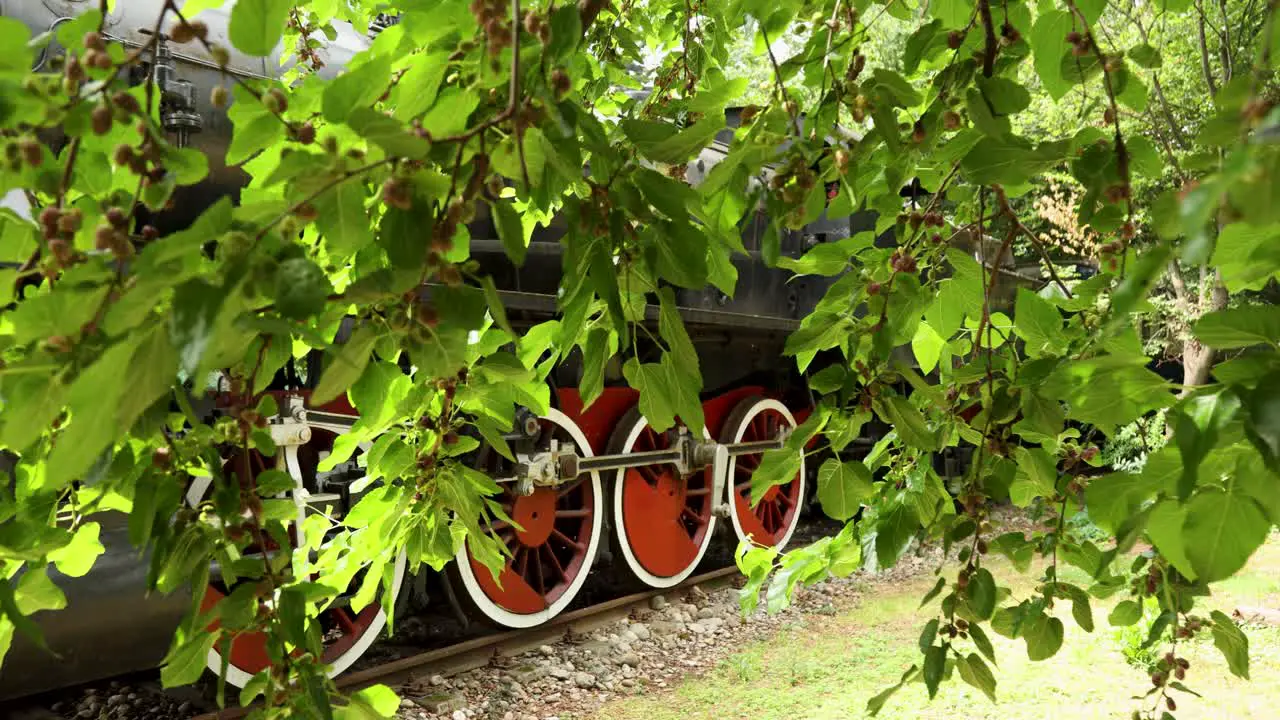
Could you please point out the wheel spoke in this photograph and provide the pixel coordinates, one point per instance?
(520, 562)
(777, 516)
(686, 512)
(344, 621)
(555, 563)
(499, 525)
(697, 492)
(742, 486)
(572, 513)
(649, 473)
(570, 542)
(537, 568)
(570, 487)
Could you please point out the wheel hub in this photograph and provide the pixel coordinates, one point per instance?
(536, 513)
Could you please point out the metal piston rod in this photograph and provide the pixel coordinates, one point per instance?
(561, 463)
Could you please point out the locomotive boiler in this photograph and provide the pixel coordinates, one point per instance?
(650, 503)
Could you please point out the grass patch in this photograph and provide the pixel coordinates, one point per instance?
(826, 668)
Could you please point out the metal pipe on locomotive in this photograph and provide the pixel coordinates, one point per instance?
(580, 473)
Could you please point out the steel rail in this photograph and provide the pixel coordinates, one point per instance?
(478, 652)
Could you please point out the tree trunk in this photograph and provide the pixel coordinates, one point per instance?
(1197, 359)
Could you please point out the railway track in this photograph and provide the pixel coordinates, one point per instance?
(480, 651)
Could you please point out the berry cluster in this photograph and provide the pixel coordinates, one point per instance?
(185, 31)
(23, 151)
(795, 180)
(491, 15)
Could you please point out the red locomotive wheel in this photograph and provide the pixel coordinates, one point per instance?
(663, 522)
(771, 522)
(554, 547)
(347, 634)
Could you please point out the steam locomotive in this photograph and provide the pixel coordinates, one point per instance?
(648, 503)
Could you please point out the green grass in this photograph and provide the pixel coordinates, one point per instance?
(826, 667)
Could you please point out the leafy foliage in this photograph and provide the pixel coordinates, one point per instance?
(364, 184)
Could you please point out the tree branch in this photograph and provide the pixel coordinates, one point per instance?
(1204, 52)
(989, 28)
(777, 76)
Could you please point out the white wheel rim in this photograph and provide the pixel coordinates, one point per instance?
(620, 530)
(239, 678)
(730, 493)
(501, 615)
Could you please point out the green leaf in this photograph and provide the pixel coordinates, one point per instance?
(256, 25)
(301, 288)
(1125, 613)
(681, 255)
(1232, 643)
(1262, 419)
(843, 487)
(1081, 611)
(195, 312)
(1221, 531)
(510, 230)
(1004, 96)
(656, 395)
(417, 88)
(876, 703)
(894, 530)
(1197, 422)
(927, 346)
(975, 672)
(36, 592)
(150, 374)
(186, 659)
(600, 345)
(1145, 56)
(1043, 634)
(1112, 499)
(830, 258)
(1006, 161)
(358, 87)
(372, 703)
(78, 556)
(1239, 327)
(1108, 391)
(982, 642)
(952, 13)
(894, 86)
(1049, 42)
(1038, 323)
(191, 8)
(346, 366)
(1164, 527)
(566, 31)
(980, 594)
(450, 114)
(661, 143)
(497, 310)
(342, 218)
(935, 662)
(1036, 477)
(928, 634)
(907, 420)
(387, 133)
